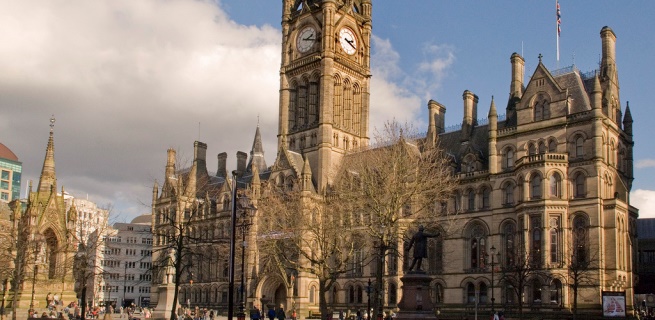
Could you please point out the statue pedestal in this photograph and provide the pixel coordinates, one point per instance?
(416, 302)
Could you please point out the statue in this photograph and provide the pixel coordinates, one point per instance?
(420, 243)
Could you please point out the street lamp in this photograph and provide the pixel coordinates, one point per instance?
(368, 296)
(238, 203)
(493, 253)
(36, 245)
(244, 204)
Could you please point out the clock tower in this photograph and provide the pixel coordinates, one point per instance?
(324, 81)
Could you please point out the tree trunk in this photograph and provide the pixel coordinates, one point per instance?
(322, 301)
(575, 302)
(379, 305)
(83, 302)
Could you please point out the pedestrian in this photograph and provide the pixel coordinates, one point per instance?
(280, 313)
(255, 314)
(294, 316)
(271, 313)
(211, 314)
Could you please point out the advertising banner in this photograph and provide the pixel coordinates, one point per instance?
(613, 303)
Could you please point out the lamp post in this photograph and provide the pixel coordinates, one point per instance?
(368, 296)
(244, 204)
(35, 249)
(241, 203)
(493, 253)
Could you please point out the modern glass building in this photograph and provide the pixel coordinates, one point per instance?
(10, 175)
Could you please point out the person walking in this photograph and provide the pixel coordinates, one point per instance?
(271, 313)
(280, 315)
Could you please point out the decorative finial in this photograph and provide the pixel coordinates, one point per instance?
(540, 56)
(52, 123)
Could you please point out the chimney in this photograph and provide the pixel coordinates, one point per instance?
(170, 164)
(221, 171)
(608, 60)
(241, 162)
(436, 113)
(470, 113)
(518, 66)
(200, 158)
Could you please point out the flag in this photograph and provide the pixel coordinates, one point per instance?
(559, 20)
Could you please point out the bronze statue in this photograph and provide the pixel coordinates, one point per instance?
(420, 243)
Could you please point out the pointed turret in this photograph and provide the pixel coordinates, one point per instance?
(48, 179)
(493, 132)
(627, 120)
(307, 176)
(597, 94)
(257, 153)
(255, 183)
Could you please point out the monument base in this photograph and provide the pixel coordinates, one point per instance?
(416, 302)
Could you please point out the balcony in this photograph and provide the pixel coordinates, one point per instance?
(543, 158)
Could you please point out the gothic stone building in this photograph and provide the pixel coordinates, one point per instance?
(550, 181)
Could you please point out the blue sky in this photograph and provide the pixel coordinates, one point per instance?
(127, 80)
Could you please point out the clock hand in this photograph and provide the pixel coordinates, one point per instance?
(350, 42)
(309, 38)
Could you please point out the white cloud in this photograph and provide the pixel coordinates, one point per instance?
(644, 200)
(645, 163)
(403, 96)
(127, 80)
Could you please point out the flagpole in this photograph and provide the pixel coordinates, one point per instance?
(557, 26)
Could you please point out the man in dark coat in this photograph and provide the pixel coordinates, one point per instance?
(420, 243)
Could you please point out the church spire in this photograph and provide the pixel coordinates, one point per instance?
(48, 179)
(257, 153)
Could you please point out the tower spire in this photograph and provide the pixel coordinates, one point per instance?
(48, 178)
(257, 152)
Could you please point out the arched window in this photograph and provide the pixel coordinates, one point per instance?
(335, 294)
(509, 238)
(536, 239)
(554, 239)
(435, 254)
(535, 187)
(393, 294)
(546, 110)
(508, 193)
(536, 291)
(313, 102)
(293, 97)
(580, 226)
(556, 292)
(580, 185)
(338, 102)
(486, 195)
(509, 159)
(579, 147)
(532, 149)
(477, 246)
(471, 200)
(360, 294)
(538, 112)
(552, 146)
(351, 294)
(542, 147)
(470, 293)
(555, 186)
(312, 299)
(483, 292)
(509, 293)
(347, 105)
(357, 109)
(438, 293)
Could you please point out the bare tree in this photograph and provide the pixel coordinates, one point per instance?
(516, 274)
(581, 267)
(307, 234)
(181, 239)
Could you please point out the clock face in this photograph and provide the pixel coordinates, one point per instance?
(348, 40)
(306, 39)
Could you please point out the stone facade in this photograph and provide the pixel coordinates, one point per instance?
(550, 180)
